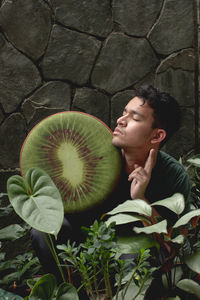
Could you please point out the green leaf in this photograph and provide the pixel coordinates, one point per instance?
(5, 211)
(12, 232)
(4, 295)
(187, 217)
(123, 219)
(178, 239)
(175, 203)
(44, 289)
(189, 286)
(133, 206)
(193, 262)
(160, 227)
(134, 243)
(67, 291)
(27, 266)
(174, 298)
(36, 200)
(133, 290)
(195, 160)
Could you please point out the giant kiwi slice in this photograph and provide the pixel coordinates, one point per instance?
(76, 150)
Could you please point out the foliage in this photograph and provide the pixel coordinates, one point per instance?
(46, 289)
(36, 200)
(4, 295)
(192, 165)
(15, 271)
(179, 246)
(100, 267)
(98, 260)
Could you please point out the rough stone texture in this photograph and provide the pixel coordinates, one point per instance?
(183, 140)
(93, 102)
(88, 55)
(30, 35)
(18, 76)
(12, 135)
(174, 29)
(70, 55)
(136, 17)
(54, 94)
(94, 17)
(1, 116)
(118, 102)
(175, 75)
(121, 63)
(39, 113)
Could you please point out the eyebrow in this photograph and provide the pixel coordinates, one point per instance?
(134, 112)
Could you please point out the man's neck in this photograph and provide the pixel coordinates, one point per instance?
(133, 158)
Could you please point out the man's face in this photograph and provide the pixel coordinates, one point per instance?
(134, 128)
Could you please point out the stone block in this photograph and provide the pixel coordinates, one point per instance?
(93, 17)
(92, 102)
(12, 135)
(27, 24)
(69, 56)
(122, 62)
(136, 17)
(175, 75)
(174, 29)
(18, 76)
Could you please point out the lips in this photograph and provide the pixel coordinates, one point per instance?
(117, 131)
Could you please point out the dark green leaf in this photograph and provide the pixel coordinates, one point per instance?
(12, 232)
(189, 286)
(67, 291)
(44, 289)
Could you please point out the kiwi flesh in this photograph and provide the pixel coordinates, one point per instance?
(76, 150)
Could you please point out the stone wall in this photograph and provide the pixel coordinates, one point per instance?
(90, 55)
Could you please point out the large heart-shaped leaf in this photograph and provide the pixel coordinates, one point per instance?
(175, 203)
(189, 286)
(36, 200)
(133, 206)
(160, 227)
(120, 219)
(187, 217)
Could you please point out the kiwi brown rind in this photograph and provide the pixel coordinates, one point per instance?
(76, 150)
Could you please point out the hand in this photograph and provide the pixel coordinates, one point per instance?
(141, 176)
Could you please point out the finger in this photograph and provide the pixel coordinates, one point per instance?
(138, 172)
(150, 161)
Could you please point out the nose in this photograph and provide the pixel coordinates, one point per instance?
(122, 121)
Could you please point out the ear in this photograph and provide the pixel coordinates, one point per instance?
(158, 136)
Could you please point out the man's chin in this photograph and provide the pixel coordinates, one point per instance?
(116, 143)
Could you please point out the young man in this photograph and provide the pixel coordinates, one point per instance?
(148, 120)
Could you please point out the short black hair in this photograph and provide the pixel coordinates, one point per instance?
(167, 112)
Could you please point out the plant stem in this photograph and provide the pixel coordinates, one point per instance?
(107, 281)
(120, 283)
(54, 254)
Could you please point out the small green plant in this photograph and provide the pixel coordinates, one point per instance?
(100, 267)
(178, 245)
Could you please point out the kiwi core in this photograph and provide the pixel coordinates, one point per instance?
(72, 165)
